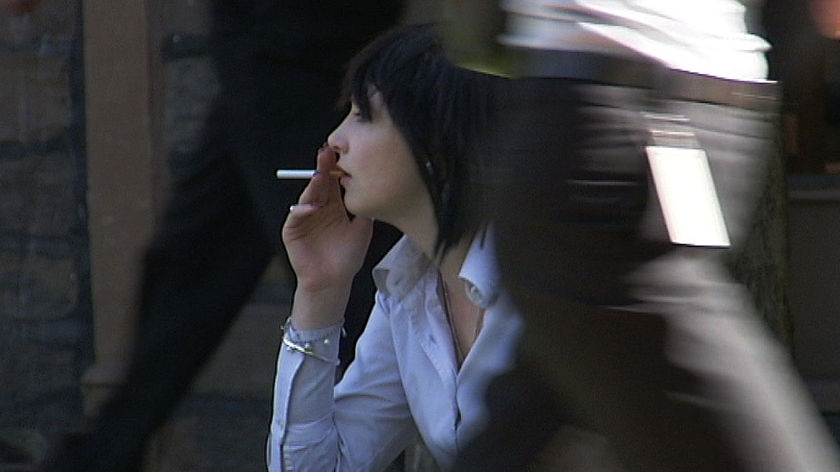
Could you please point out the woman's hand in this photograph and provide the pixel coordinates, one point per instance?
(325, 247)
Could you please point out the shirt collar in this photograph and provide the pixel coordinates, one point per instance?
(405, 264)
(480, 271)
(400, 270)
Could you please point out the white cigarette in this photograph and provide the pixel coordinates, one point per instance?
(303, 173)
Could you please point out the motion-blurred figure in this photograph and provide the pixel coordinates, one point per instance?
(280, 68)
(627, 170)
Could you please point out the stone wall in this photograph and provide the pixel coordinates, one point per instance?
(46, 319)
(46, 334)
(45, 314)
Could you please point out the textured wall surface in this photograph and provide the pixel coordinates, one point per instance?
(44, 292)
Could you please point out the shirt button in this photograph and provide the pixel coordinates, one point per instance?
(474, 295)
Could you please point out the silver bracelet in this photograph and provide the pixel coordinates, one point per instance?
(306, 348)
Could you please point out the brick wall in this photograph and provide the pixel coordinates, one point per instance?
(45, 313)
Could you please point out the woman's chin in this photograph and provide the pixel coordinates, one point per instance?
(353, 207)
(360, 210)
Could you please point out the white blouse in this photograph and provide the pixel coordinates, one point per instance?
(404, 379)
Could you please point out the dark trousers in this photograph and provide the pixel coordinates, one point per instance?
(280, 68)
(649, 347)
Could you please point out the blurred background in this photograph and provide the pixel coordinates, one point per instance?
(100, 100)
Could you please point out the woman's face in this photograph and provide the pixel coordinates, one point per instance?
(382, 179)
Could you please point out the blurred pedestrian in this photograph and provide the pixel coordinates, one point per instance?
(629, 168)
(279, 68)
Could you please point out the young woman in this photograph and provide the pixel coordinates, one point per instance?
(441, 328)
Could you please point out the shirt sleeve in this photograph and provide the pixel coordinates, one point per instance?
(303, 389)
(363, 423)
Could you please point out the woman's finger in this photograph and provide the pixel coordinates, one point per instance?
(316, 191)
(303, 209)
(322, 188)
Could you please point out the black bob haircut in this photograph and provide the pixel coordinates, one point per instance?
(442, 110)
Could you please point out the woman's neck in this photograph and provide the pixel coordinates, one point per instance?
(450, 264)
(420, 226)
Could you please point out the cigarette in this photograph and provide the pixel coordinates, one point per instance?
(303, 173)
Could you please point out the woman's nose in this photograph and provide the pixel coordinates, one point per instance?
(335, 143)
